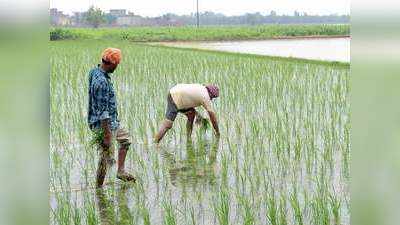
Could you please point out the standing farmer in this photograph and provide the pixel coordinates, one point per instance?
(184, 98)
(103, 116)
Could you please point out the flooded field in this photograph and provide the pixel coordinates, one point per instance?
(283, 156)
(327, 49)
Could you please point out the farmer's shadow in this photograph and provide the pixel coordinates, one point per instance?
(107, 208)
(199, 165)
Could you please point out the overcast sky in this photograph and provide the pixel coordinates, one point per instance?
(227, 7)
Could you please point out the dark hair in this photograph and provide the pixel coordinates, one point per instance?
(213, 90)
(105, 62)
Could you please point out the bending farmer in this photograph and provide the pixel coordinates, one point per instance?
(103, 116)
(184, 98)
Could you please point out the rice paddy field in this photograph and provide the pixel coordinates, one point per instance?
(283, 156)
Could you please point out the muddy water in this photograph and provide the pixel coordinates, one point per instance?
(191, 169)
(188, 175)
(326, 49)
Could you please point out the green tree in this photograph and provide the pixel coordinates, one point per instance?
(95, 17)
(110, 19)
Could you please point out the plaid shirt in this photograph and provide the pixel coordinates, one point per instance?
(102, 100)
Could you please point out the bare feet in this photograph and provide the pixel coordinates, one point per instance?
(124, 176)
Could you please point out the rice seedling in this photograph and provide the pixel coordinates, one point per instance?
(222, 206)
(169, 214)
(272, 210)
(282, 211)
(335, 203)
(294, 201)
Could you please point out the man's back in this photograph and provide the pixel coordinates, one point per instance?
(102, 99)
(189, 95)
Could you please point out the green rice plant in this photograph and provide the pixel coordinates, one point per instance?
(221, 207)
(97, 138)
(140, 196)
(145, 215)
(320, 211)
(192, 216)
(294, 201)
(272, 210)
(320, 202)
(63, 213)
(247, 213)
(346, 151)
(90, 212)
(297, 148)
(169, 213)
(77, 217)
(282, 211)
(335, 205)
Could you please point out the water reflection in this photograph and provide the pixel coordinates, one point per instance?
(197, 168)
(199, 165)
(111, 214)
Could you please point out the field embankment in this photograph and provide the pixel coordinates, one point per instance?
(207, 33)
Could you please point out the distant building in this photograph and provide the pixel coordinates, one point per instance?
(78, 19)
(165, 21)
(118, 12)
(53, 11)
(129, 20)
(58, 18)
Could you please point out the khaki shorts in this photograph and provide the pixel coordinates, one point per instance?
(172, 109)
(120, 135)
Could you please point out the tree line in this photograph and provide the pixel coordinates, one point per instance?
(95, 17)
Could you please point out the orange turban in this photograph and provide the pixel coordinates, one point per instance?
(112, 55)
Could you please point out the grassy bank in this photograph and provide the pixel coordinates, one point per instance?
(283, 156)
(209, 33)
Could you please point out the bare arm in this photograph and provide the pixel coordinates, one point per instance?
(165, 126)
(214, 122)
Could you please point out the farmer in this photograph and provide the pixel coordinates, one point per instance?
(184, 98)
(103, 116)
